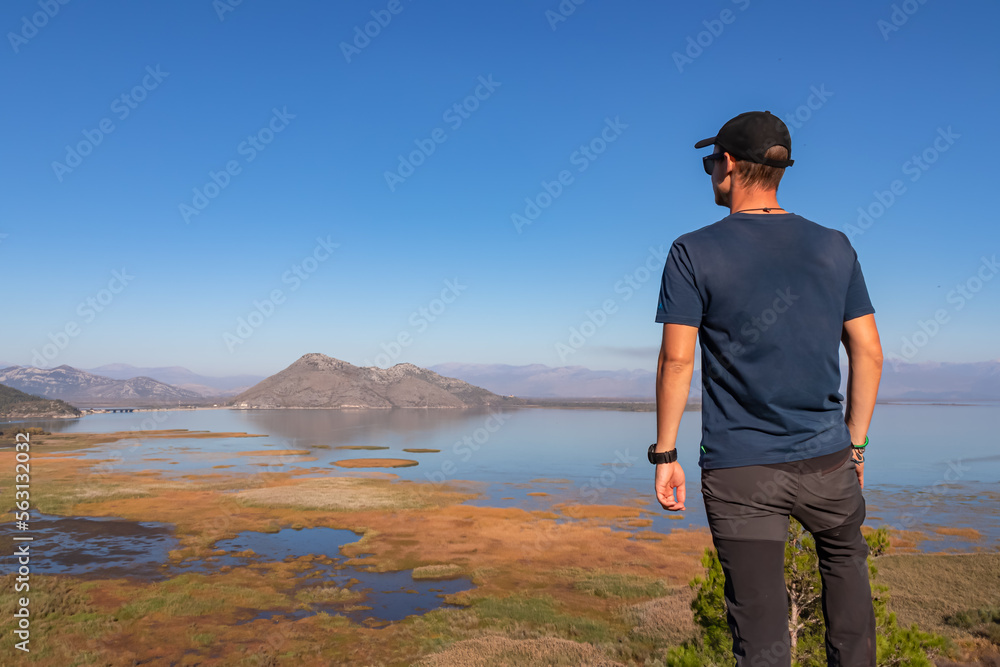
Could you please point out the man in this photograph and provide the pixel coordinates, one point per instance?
(771, 295)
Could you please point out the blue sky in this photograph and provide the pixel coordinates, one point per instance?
(119, 113)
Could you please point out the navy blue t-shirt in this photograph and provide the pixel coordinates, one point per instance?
(769, 294)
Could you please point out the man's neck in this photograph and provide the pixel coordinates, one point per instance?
(755, 199)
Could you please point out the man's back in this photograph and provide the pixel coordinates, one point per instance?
(770, 294)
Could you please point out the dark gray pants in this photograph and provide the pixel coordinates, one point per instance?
(748, 509)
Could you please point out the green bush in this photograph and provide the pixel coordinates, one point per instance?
(981, 622)
(896, 646)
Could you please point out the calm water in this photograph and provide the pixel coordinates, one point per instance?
(929, 466)
(108, 547)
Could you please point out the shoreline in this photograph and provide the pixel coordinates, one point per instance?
(614, 405)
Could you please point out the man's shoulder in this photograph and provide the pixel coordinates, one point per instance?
(720, 228)
(822, 229)
(702, 234)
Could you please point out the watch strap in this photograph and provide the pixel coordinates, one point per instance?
(661, 457)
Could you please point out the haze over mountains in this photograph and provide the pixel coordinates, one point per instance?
(901, 381)
(86, 389)
(540, 381)
(926, 381)
(182, 378)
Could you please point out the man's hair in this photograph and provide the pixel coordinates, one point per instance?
(755, 176)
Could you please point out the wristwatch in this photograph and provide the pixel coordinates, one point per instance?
(661, 457)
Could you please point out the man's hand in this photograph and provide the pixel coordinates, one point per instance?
(860, 469)
(670, 476)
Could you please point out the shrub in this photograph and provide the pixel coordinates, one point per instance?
(896, 646)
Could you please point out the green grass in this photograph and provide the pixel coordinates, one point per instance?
(174, 598)
(626, 586)
(520, 612)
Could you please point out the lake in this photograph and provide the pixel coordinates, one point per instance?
(930, 468)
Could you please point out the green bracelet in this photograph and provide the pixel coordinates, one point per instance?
(861, 446)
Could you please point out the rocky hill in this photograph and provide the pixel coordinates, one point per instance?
(181, 377)
(319, 381)
(83, 388)
(16, 404)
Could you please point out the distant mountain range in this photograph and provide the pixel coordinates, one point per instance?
(117, 384)
(16, 404)
(925, 382)
(181, 378)
(940, 381)
(319, 381)
(539, 381)
(86, 389)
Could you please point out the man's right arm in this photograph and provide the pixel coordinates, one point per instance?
(864, 354)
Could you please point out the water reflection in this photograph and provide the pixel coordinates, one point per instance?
(101, 548)
(373, 597)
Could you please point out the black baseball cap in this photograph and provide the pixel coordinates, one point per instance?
(750, 135)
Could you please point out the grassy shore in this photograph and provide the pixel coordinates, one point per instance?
(575, 585)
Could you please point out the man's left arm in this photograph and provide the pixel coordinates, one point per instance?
(674, 369)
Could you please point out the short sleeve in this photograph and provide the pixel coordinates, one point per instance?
(680, 301)
(858, 302)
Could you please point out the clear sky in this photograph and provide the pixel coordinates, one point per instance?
(216, 155)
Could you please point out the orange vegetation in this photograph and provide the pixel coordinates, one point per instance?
(375, 463)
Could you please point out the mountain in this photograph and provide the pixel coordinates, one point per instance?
(182, 378)
(71, 384)
(540, 381)
(319, 381)
(16, 404)
(901, 381)
(940, 381)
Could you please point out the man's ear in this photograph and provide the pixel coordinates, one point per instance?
(730, 164)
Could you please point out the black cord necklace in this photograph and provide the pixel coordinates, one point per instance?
(766, 210)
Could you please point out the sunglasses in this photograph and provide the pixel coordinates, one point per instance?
(709, 162)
